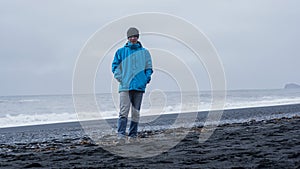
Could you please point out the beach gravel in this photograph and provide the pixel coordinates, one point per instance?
(255, 144)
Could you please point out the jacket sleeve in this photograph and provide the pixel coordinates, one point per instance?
(148, 68)
(116, 67)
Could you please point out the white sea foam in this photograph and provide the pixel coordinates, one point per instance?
(49, 118)
(261, 103)
(25, 120)
(28, 100)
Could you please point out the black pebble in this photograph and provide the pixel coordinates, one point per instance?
(33, 165)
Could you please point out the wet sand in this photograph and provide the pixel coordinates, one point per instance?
(255, 144)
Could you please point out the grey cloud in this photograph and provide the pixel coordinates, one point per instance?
(40, 40)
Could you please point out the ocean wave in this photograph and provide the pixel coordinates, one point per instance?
(48, 112)
(20, 101)
(3, 101)
(36, 119)
(28, 100)
(151, 114)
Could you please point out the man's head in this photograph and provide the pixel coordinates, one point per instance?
(133, 35)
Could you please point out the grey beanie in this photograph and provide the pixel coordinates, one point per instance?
(132, 31)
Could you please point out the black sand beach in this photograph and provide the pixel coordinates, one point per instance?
(271, 143)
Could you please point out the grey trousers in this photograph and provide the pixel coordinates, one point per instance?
(133, 100)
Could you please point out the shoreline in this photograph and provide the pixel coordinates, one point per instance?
(200, 115)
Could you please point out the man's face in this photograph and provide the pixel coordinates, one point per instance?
(133, 39)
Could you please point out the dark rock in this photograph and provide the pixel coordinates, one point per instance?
(33, 165)
(292, 86)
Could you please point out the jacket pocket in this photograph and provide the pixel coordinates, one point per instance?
(142, 80)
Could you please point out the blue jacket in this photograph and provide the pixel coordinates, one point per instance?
(132, 67)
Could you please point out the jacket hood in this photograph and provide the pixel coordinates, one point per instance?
(133, 46)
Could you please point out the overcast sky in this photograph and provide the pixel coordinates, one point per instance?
(257, 41)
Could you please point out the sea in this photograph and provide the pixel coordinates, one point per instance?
(48, 109)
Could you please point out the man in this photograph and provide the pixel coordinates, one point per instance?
(132, 67)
